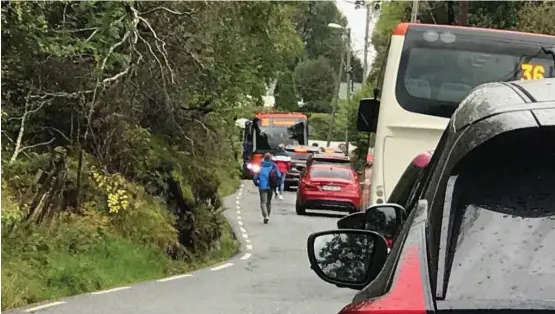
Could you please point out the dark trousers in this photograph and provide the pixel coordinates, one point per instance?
(266, 202)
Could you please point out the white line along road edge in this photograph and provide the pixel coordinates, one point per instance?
(110, 290)
(174, 277)
(246, 256)
(222, 266)
(40, 307)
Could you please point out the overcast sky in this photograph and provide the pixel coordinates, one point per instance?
(356, 19)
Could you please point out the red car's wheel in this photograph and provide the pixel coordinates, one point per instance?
(300, 209)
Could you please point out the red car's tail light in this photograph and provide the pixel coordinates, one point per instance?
(389, 242)
(311, 186)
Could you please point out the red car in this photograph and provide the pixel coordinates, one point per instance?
(328, 187)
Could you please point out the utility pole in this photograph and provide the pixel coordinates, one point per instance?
(463, 13)
(414, 13)
(450, 13)
(366, 31)
(348, 89)
(335, 101)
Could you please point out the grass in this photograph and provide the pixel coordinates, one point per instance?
(39, 264)
(31, 276)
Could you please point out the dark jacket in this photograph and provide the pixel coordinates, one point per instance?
(262, 178)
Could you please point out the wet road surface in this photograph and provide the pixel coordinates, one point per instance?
(270, 275)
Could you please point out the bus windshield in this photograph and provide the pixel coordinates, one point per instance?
(269, 135)
(440, 67)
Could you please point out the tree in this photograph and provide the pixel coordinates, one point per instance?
(315, 80)
(285, 93)
(123, 112)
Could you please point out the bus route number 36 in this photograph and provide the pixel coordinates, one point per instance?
(532, 71)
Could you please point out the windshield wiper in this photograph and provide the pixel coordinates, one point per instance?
(549, 52)
(512, 76)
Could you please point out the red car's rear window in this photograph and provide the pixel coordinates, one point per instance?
(331, 173)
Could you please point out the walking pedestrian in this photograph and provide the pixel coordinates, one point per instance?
(267, 180)
(283, 161)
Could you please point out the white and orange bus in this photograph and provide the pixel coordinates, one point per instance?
(428, 71)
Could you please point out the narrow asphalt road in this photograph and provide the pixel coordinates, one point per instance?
(270, 275)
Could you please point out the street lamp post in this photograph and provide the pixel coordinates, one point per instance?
(348, 91)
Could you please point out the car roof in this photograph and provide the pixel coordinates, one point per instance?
(491, 99)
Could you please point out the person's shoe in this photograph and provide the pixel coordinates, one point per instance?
(265, 220)
(281, 196)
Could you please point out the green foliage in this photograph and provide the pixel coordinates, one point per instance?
(128, 122)
(315, 81)
(45, 263)
(537, 17)
(285, 93)
(311, 19)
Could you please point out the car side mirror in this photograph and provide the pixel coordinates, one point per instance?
(367, 117)
(347, 258)
(353, 221)
(385, 219)
(299, 168)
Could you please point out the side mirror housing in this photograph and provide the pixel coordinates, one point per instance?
(353, 221)
(367, 118)
(347, 258)
(385, 219)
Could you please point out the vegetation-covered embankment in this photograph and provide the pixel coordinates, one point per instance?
(118, 137)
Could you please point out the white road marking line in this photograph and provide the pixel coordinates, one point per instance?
(110, 290)
(238, 217)
(243, 230)
(246, 236)
(221, 266)
(246, 256)
(237, 202)
(238, 207)
(247, 240)
(238, 212)
(249, 247)
(174, 277)
(40, 307)
(240, 223)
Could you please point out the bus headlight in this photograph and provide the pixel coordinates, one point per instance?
(255, 168)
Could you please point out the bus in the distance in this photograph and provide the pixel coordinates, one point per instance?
(266, 131)
(428, 71)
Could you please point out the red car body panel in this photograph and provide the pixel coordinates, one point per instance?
(311, 189)
(406, 295)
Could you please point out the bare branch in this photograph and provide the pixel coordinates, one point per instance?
(38, 144)
(57, 131)
(98, 29)
(78, 30)
(161, 49)
(13, 142)
(167, 10)
(203, 125)
(29, 109)
(61, 94)
(117, 76)
(155, 57)
(116, 45)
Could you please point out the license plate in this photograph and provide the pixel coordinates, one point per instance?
(330, 188)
